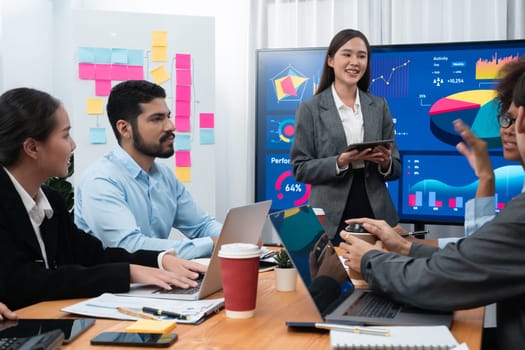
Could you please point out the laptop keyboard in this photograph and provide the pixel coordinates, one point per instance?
(179, 290)
(370, 305)
(51, 340)
(11, 343)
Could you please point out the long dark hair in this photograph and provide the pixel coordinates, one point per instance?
(328, 76)
(24, 113)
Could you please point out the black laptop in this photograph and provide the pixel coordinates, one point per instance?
(51, 340)
(327, 281)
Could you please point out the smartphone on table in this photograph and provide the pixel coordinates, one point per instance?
(135, 339)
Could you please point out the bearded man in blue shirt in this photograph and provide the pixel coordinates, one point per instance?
(128, 199)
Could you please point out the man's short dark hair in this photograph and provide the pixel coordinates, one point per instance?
(125, 99)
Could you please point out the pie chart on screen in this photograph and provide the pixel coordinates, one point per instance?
(477, 108)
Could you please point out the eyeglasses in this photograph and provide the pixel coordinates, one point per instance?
(505, 120)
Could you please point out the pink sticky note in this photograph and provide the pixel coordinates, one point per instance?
(103, 71)
(135, 73)
(102, 87)
(183, 92)
(119, 72)
(182, 158)
(207, 120)
(86, 71)
(182, 108)
(182, 124)
(183, 77)
(183, 60)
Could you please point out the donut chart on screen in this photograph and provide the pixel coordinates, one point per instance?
(477, 108)
(287, 130)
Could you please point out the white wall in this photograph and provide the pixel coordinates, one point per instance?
(26, 39)
(234, 126)
(28, 52)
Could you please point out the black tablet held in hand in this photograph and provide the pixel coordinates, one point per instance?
(27, 327)
(369, 144)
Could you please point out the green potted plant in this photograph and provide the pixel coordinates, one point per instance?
(285, 273)
(64, 187)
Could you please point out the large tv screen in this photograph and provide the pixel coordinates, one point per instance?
(427, 86)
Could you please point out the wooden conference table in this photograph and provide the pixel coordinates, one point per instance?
(266, 330)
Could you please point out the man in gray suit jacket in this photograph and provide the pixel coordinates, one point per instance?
(481, 269)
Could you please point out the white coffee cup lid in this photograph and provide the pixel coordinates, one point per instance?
(239, 250)
(318, 211)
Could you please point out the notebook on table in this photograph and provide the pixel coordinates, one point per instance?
(399, 337)
(242, 225)
(328, 283)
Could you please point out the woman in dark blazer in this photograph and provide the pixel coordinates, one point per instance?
(346, 184)
(43, 256)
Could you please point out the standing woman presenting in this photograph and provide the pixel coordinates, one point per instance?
(346, 184)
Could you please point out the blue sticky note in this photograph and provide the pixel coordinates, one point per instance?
(119, 56)
(136, 57)
(207, 136)
(102, 55)
(86, 55)
(97, 135)
(182, 142)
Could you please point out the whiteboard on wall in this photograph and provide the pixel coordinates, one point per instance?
(187, 35)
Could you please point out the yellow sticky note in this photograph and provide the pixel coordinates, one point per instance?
(159, 38)
(160, 74)
(94, 106)
(151, 326)
(159, 54)
(183, 173)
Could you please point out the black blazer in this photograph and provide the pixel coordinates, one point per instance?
(79, 266)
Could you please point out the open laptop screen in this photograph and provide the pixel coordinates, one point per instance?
(313, 256)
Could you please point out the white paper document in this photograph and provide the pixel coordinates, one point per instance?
(105, 306)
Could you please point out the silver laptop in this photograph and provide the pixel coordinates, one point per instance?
(327, 281)
(242, 224)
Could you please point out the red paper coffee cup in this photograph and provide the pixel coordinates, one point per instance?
(240, 274)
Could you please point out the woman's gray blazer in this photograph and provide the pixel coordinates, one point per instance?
(319, 139)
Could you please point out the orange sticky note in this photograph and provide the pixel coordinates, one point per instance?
(183, 173)
(159, 54)
(94, 106)
(160, 74)
(151, 326)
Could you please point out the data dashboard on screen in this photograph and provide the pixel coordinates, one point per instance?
(427, 86)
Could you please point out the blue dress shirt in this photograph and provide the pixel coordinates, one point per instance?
(478, 211)
(124, 206)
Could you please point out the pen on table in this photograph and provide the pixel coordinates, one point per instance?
(415, 233)
(385, 332)
(136, 313)
(159, 312)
